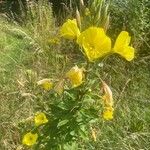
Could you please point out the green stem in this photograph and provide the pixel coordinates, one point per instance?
(87, 69)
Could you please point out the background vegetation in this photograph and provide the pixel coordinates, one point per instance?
(28, 53)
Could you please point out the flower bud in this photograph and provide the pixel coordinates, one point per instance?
(108, 98)
(78, 18)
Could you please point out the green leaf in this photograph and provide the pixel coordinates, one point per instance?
(83, 134)
(61, 123)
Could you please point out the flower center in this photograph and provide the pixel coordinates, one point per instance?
(30, 138)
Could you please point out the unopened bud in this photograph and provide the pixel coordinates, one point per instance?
(108, 98)
(78, 18)
(82, 3)
(106, 26)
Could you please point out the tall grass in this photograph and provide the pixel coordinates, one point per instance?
(40, 22)
(25, 52)
(26, 55)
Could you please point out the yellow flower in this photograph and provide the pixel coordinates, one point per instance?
(94, 42)
(108, 113)
(75, 75)
(29, 139)
(40, 118)
(46, 84)
(69, 29)
(122, 46)
(108, 98)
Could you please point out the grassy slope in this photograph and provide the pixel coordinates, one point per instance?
(19, 65)
(129, 81)
(13, 54)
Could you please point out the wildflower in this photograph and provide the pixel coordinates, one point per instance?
(108, 99)
(30, 139)
(75, 75)
(94, 42)
(108, 113)
(69, 29)
(122, 46)
(40, 118)
(46, 84)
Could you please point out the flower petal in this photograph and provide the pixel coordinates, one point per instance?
(75, 75)
(122, 46)
(122, 40)
(127, 53)
(69, 29)
(40, 118)
(47, 84)
(30, 139)
(94, 42)
(108, 113)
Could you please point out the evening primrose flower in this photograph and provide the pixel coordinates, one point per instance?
(95, 43)
(70, 30)
(108, 113)
(30, 139)
(75, 75)
(46, 84)
(40, 118)
(122, 46)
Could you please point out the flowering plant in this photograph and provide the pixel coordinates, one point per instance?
(75, 104)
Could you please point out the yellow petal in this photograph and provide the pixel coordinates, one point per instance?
(95, 43)
(75, 75)
(108, 113)
(122, 40)
(40, 118)
(127, 52)
(122, 46)
(69, 29)
(46, 84)
(30, 139)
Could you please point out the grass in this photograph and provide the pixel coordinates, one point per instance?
(19, 66)
(22, 62)
(130, 129)
(13, 54)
